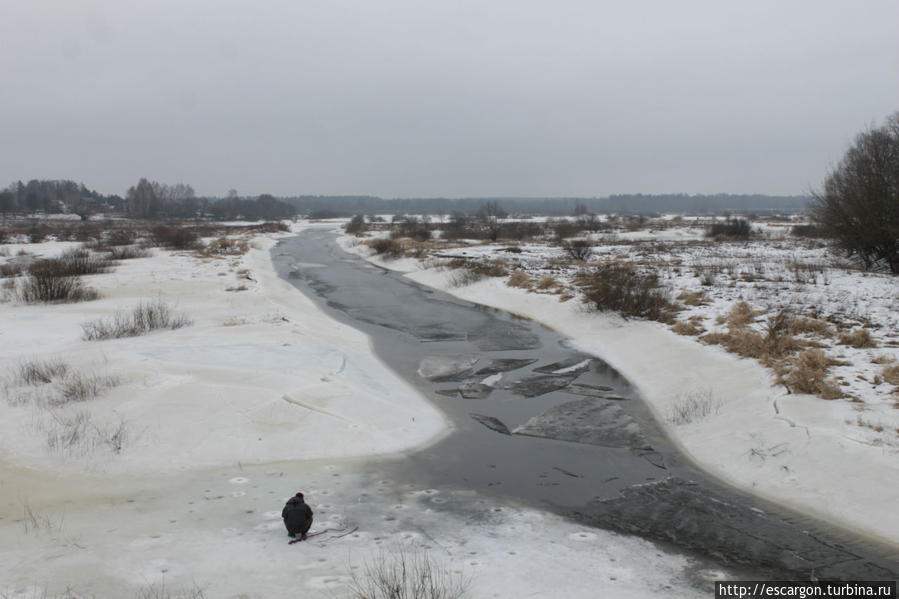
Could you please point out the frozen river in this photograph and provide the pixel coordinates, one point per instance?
(540, 423)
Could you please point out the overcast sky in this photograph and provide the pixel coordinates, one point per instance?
(403, 98)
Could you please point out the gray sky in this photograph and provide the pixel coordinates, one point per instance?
(404, 98)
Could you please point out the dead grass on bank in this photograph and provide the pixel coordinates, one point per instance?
(859, 338)
(807, 373)
(520, 280)
(891, 374)
(800, 365)
(225, 246)
(693, 298)
(692, 327)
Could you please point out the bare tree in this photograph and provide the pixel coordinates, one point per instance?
(142, 200)
(490, 214)
(859, 204)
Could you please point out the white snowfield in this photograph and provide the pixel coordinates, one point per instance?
(797, 450)
(178, 475)
(254, 366)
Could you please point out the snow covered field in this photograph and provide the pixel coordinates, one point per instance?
(166, 478)
(837, 459)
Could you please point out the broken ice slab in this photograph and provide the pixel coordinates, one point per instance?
(567, 366)
(591, 421)
(505, 365)
(494, 424)
(601, 391)
(540, 385)
(446, 368)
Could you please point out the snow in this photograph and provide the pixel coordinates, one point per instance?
(799, 450)
(221, 421)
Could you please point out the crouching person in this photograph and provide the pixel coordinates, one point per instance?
(297, 516)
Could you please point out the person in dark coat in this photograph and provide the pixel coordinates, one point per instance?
(297, 516)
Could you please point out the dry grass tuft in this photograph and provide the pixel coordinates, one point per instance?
(693, 298)
(225, 246)
(803, 325)
(740, 315)
(547, 283)
(690, 327)
(519, 279)
(891, 374)
(389, 248)
(143, 318)
(406, 575)
(859, 338)
(807, 372)
(128, 252)
(33, 372)
(768, 347)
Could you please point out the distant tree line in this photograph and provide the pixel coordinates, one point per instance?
(55, 196)
(334, 206)
(153, 200)
(146, 200)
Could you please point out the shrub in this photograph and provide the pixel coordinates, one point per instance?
(389, 248)
(78, 387)
(623, 289)
(814, 326)
(689, 327)
(405, 575)
(120, 237)
(768, 346)
(128, 252)
(78, 434)
(225, 246)
(145, 317)
(73, 263)
(859, 338)
(464, 277)
(740, 315)
(160, 591)
(490, 268)
(33, 372)
(179, 238)
(737, 228)
(519, 279)
(808, 231)
(10, 269)
(41, 286)
(356, 225)
(692, 407)
(37, 233)
(693, 298)
(546, 283)
(578, 249)
(807, 373)
(891, 374)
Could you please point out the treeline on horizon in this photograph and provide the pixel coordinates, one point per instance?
(554, 206)
(153, 200)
